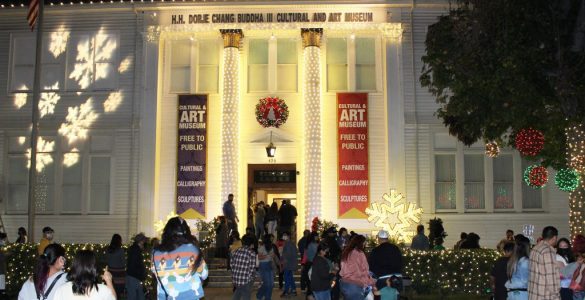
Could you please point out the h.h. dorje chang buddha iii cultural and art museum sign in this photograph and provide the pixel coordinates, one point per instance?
(272, 17)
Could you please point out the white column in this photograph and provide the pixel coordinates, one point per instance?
(230, 111)
(312, 99)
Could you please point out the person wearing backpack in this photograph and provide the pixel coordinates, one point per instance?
(47, 275)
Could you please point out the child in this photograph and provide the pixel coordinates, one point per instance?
(388, 292)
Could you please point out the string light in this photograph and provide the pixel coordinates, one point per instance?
(567, 179)
(575, 152)
(536, 176)
(230, 112)
(492, 149)
(529, 141)
(312, 100)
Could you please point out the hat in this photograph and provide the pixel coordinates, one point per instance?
(383, 234)
(48, 229)
(139, 238)
(332, 230)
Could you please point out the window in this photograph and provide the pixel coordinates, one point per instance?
(531, 197)
(79, 62)
(365, 64)
(503, 182)
(474, 181)
(286, 69)
(337, 64)
(72, 177)
(208, 73)
(258, 65)
(23, 63)
(181, 66)
(18, 170)
(445, 181)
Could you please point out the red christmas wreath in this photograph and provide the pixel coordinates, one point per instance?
(271, 112)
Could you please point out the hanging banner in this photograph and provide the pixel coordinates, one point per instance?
(192, 156)
(352, 152)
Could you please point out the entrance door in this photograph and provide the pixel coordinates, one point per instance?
(270, 183)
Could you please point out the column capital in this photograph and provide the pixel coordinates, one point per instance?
(311, 37)
(232, 37)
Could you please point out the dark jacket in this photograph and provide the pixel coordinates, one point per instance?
(385, 259)
(320, 275)
(287, 215)
(334, 254)
(135, 266)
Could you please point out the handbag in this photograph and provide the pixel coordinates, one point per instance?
(304, 259)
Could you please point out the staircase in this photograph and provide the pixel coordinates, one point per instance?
(221, 278)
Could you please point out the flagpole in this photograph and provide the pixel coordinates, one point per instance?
(32, 172)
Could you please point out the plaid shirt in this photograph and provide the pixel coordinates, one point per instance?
(243, 264)
(545, 280)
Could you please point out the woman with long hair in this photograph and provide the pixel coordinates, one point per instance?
(266, 259)
(82, 280)
(22, 237)
(178, 263)
(116, 261)
(519, 269)
(47, 275)
(355, 276)
(322, 274)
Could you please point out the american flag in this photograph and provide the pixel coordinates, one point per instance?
(33, 13)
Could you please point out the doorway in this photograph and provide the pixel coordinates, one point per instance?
(270, 183)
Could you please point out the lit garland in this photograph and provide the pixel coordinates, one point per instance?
(492, 149)
(536, 176)
(567, 179)
(576, 210)
(230, 112)
(529, 141)
(312, 99)
(21, 259)
(271, 112)
(576, 147)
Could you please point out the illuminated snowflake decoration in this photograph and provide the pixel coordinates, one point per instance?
(20, 98)
(58, 43)
(49, 100)
(125, 65)
(113, 101)
(159, 225)
(71, 158)
(44, 147)
(96, 51)
(78, 120)
(395, 215)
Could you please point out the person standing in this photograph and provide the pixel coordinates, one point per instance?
(509, 238)
(136, 271)
(47, 239)
(287, 216)
(290, 264)
(385, 259)
(420, 241)
(499, 275)
(462, 238)
(47, 276)
(544, 283)
(82, 280)
(178, 264)
(272, 217)
(116, 262)
(259, 220)
(355, 276)
(518, 269)
(243, 264)
(22, 237)
(221, 241)
(322, 274)
(229, 211)
(343, 238)
(266, 258)
(302, 244)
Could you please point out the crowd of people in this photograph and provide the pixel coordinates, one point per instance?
(333, 264)
(552, 269)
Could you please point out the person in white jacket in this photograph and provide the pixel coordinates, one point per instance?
(47, 276)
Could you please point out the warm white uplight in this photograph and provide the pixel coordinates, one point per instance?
(113, 101)
(58, 43)
(78, 121)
